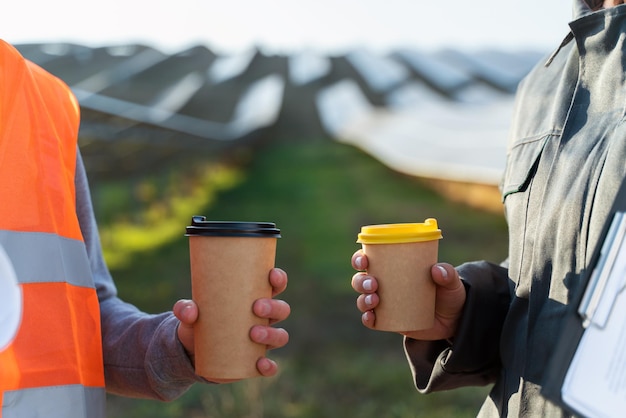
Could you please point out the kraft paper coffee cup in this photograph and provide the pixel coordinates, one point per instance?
(230, 266)
(400, 257)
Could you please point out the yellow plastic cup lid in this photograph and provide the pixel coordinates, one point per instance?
(400, 233)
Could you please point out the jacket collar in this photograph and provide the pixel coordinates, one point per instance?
(580, 8)
(583, 7)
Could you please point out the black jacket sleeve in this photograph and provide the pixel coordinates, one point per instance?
(473, 357)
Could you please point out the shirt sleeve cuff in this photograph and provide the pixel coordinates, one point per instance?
(170, 369)
(472, 357)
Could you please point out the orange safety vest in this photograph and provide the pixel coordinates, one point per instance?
(54, 365)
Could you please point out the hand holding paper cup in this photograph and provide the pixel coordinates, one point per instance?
(230, 266)
(400, 257)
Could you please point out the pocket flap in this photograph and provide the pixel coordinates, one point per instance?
(521, 165)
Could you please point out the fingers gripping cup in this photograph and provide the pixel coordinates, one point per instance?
(400, 257)
(230, 266)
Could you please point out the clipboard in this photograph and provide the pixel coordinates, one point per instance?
(573, 373)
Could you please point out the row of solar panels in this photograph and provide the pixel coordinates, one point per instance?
(137, 100)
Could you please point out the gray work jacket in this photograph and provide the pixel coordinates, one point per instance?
(566, 160)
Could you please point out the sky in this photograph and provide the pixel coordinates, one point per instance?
(284, 26)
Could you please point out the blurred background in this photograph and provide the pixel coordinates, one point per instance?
(320, 116)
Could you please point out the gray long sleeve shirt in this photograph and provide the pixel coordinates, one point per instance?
(566, 160)
(142, 354)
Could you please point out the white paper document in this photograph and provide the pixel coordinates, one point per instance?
(595, 383)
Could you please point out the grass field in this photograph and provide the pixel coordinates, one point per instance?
(319, 193)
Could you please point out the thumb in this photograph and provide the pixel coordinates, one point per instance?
(446, 276)
(187, 313)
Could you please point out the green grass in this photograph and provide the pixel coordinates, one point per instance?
(161, 202)
(319, 193)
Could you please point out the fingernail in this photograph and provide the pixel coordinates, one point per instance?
(358, 262)
(263, 366)
(261, 334)
(368, 300)
(264, 308)
(367, 284)
(443, 271)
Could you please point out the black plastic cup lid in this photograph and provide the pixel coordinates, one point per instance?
(201, 227)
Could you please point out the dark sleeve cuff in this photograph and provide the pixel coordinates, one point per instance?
(473, 357)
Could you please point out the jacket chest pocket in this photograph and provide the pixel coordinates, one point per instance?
(519, 182)
(521, 166)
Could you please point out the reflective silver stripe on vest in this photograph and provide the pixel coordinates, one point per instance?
(42, 257)
(72, 401)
